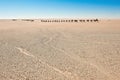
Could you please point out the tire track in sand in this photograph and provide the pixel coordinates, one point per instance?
(66, 74)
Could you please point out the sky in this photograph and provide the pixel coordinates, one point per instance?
(59, 9)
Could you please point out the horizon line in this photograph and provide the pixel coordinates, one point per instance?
(59, 18)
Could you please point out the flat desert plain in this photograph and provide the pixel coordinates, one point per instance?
(59, 51)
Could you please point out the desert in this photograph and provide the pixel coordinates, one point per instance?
(35, 50)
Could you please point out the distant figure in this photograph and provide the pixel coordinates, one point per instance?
(96, 20)
(32, 20)
(83, 20)
(72, 21)
(28, 20)
(80, 20)
(65, 20)
(14, 19)
(75, 20)
(91, 20)
(87, 20)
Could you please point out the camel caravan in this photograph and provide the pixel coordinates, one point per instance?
(62, 20)
(88, 20)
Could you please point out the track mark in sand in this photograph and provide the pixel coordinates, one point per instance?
(25, 52)
(75, 57)
(66, 74)
(49, 40)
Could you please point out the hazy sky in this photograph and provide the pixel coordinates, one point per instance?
(59, 8)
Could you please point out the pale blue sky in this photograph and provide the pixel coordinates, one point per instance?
(59, 9)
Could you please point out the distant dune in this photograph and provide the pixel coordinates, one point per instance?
(39, 50)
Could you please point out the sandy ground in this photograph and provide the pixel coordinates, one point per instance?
(59, 51)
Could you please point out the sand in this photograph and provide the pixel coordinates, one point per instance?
(59, 51)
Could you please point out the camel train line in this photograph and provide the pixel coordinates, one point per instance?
(62, 20)
(91, 20)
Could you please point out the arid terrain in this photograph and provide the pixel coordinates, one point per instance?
(59, 51)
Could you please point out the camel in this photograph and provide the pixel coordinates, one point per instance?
(96, 20)
(87, 20)
(14, 19)
(75, 20)
(91, 20)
